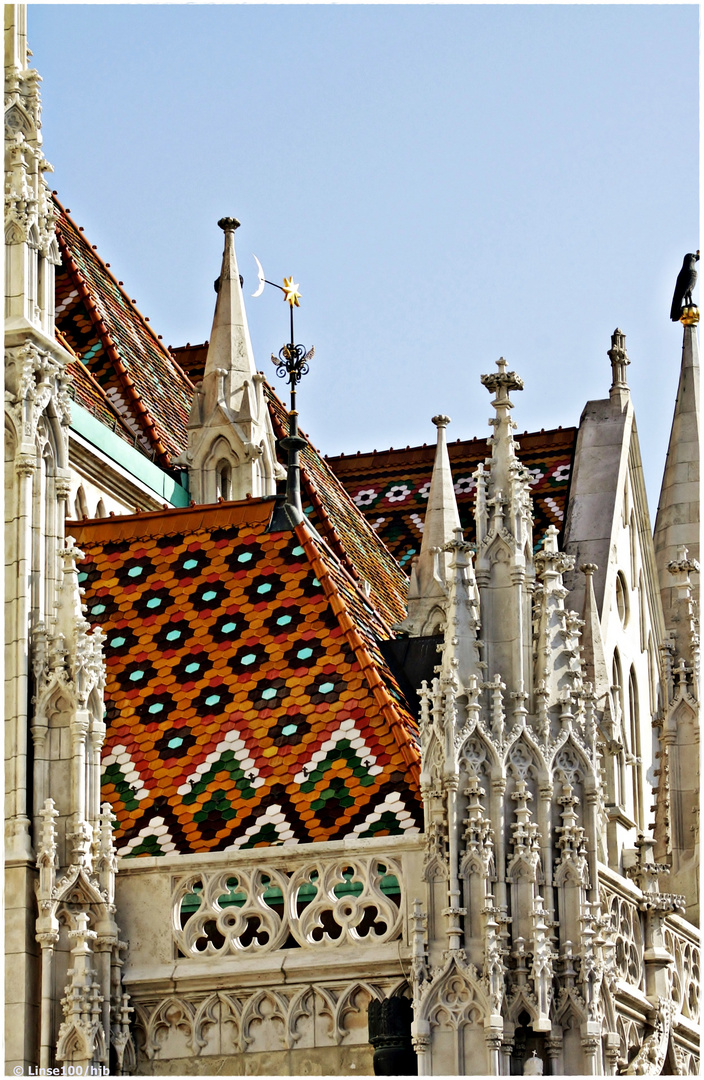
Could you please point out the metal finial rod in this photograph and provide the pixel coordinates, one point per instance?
(291, 363)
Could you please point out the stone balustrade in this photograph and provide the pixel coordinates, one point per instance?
(295, 902)
(274, 952)
(619, 902)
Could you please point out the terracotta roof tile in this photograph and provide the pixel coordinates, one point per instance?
(340, 522)
(144, 384)
(87, 391)
(226, 695)
(391, 488)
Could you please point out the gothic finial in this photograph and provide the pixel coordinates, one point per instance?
(228, 224)
(619, 362)
(500, 383)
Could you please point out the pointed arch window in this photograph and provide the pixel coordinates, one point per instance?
(223, 480)
(622, 597)
(635, 759)
(641, 613)
(619, 727)
(633, 544)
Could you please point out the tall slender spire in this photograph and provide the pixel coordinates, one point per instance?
(503, 447)
(677, 521)
(427, 590)
(230, 348)
(442, 517)
(231, 446)
(504, 564)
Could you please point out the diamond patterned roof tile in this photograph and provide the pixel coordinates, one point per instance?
(391, 488)
(224, 693)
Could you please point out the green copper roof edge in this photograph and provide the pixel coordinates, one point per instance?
(85, 424)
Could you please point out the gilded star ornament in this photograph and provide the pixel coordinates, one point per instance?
(291, 292)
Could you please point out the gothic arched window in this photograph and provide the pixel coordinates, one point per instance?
(224, 480)
(619, 727)
(634, 718)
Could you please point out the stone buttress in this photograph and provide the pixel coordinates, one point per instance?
(61, 939)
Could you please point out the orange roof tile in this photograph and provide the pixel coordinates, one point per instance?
(243, 674)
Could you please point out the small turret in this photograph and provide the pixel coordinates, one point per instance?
(231, 448)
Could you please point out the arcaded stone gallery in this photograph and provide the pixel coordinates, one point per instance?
(386, 763)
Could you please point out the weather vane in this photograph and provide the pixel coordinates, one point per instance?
(292, 361)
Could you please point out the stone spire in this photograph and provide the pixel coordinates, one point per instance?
(504, 563)
(231, 446)
(503, 448)
(676, 542)
(557, 665)
(32, 251)
(677, 521)
(427, 591)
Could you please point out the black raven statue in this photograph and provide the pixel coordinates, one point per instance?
(686, 280)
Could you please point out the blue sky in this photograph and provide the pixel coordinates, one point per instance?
(447, 183)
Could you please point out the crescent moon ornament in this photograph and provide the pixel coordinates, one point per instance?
(260, 275)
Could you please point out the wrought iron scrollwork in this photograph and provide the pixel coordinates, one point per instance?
(292, 361)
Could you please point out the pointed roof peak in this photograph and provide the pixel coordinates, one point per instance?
(230, 348)
(677, 520)
(442, 517)
(429, 576)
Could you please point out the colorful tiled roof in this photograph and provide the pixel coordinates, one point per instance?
(139, 377)
(247, 700)
(88, 392)
(329, 507)
(391, 488)
(191, 358)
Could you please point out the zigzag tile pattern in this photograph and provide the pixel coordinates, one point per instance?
(247, 700)
(102, 326)
(391, 488)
